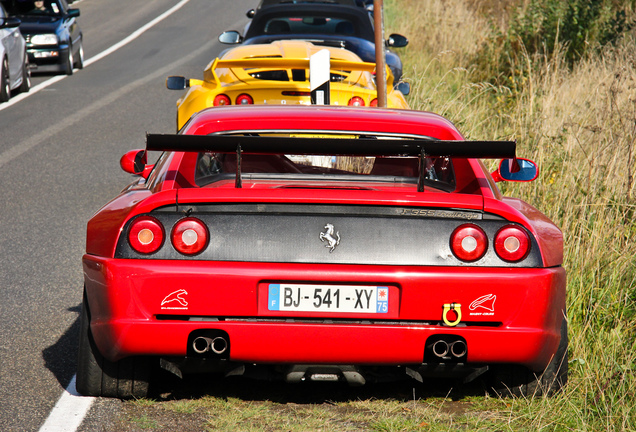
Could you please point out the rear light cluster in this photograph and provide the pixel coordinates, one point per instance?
(189, 236)
(242, 99)
(512, 243)
(358, 101)
(146, 235)
(245, 99)
(469, 243)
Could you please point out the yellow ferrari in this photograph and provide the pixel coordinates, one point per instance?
(278, 73)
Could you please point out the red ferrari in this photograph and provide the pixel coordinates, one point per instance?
(322, 244)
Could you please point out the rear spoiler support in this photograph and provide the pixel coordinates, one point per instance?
(238, 182)
(422, 173)
(363, 146)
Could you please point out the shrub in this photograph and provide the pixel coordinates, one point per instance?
(538, 30)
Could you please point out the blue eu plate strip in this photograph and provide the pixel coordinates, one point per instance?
(273, 303)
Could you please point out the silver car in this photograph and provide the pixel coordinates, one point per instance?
(14, 64)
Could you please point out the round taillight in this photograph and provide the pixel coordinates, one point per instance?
(374, 103)
(221, 99)
(512, 243)
(189, 236)
(244, 99)
(356, 101)
(146, 235)
(469, 242)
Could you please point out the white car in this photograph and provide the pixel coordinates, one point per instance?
(14, 63)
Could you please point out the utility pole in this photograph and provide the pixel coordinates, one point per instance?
(380, 55)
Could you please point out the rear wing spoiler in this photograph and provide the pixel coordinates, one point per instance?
(290, 63)
(282, 63)
(316, 146)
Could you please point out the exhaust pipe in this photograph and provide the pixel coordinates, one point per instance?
(440, 348)
(203, 344)
(445, 348)
(218, 345)
(458, 348)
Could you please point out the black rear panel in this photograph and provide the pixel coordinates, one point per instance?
(280, 233)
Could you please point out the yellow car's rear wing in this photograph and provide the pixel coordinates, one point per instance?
(285, 63)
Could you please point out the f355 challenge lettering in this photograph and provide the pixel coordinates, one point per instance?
(446, 214)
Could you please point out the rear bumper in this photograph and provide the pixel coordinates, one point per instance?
(137, 308)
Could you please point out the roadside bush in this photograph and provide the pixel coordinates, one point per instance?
(538, 30)
(560, 78)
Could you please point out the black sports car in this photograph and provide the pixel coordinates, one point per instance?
(53, 36)
(329, 23)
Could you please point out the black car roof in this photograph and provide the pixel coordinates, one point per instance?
(358, 16)
(276, 2)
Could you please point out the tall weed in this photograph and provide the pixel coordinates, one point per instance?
(575, 115)
(542, 29)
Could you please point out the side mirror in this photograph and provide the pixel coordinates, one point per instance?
(230, 37)
(134, 162)
(177, 83)
(397, 41)
(519, 169)
(250, 13)
(73, 13)
(403, 87)
(9, 22)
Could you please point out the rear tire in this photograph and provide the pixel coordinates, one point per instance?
(26, 76)
(97, 376)
(79, 60)
(516, 380)
(5, 86)
(68, 64)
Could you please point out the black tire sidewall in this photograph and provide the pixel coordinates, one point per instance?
(5, 91)
(79, 60)
(26, 76)
(97, 376)
(89, 361)
(68, 63)
(519, 381)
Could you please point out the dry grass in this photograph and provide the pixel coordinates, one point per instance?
(579, 124)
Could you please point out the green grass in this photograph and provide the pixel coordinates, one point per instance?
(578, 121)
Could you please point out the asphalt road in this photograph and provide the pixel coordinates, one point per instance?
(59, 162)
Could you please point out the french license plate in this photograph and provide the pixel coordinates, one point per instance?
(328, 298)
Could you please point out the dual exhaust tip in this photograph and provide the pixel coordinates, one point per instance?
(445, 349)
(203, 345)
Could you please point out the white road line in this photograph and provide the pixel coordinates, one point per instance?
(43, 135)
(69, 411)
(34, 90)
(136, 34)
(96, 58)
(15, 151)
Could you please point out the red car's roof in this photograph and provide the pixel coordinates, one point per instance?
(320, 118)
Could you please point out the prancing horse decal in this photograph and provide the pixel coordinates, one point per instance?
(328, 236)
